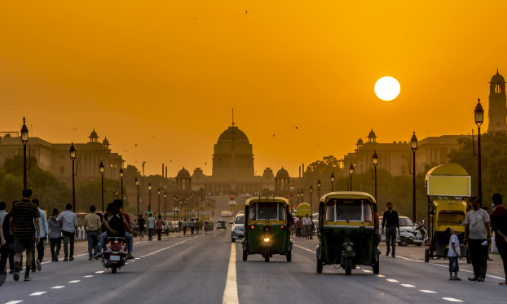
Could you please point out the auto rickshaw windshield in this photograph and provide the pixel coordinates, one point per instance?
(265, 211)
(348, 210)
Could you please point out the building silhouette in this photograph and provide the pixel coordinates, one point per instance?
(497, 112)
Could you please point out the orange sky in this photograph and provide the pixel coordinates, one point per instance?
(174, 69)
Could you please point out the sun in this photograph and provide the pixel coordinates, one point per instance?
(387, 88)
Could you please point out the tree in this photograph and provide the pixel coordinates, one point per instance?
(322, 169)
(89, 193)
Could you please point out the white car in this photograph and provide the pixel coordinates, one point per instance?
(405, 224)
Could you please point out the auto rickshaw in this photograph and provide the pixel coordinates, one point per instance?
(347, 231)
(447, 185)
(267, 228)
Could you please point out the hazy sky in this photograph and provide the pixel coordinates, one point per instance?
(165, 74)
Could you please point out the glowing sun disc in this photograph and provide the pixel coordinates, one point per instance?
(387, 88)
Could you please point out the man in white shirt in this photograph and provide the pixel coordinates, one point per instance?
(69, 228)
(307, 224)
(478, 238)
(36, 263)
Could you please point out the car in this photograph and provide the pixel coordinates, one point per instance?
(173, 226)
(405, 224)
(221, 225)
(238, 228)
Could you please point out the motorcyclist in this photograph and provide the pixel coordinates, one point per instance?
(126, 220)
(113, 225)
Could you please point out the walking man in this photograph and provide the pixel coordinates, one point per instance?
(478, 238)
(69, 228)
(140, 223)
(55, 235)
(24, 223)
(91, 225)
(499, 225)
(192, 226)
(4, 250)
(307, 224)
(36, 263)
(184, 224)
(197, 226)
(392, 222)
(160, 225)
(151, 227)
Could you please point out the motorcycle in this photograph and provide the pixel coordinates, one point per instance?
(415, 236)
(114, 254)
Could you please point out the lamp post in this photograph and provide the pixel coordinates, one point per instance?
(311, 198)
(121, 178)
(158, 193)
(319, 184)
(174, 203)
(351, 172)
(101, 170)
(413, 145)
(137, 186)
(291, 202)
(165, 204)
(24, 140)
(73, 157)
(149, 198)
(332, 181)
(479, 119)
(375, 163)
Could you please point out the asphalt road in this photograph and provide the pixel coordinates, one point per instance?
(208, 269)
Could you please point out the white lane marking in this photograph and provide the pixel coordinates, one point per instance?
(452, 300)
(381, 276)
(304, 248)
(38, 293)
(102, 271)
(367, 271)
(138, 258)
(393, 281)
(74, 282)
(14, 302)
(88, 276)
(407, 285)
(427, 291)
(231, 284)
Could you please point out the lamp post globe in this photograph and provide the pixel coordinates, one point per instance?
(24, 140)
(479, 113)
(137, 186)
(413, 146)
(332, 181)
(102, 170)
(375, 163)
(479, 119)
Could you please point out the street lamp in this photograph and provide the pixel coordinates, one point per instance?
(101, 170)
(158, 193)
(121, 177)
(351, 172)
(375, 163)
(332, 181)
(413, 145)
(311, 197)
(174, 203)
(479, 119)
(149, 197)
(24, 140)
(319, 184)
(73, 158)
(165, 204)
(137, 186)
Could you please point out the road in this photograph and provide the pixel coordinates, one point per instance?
(205, 269)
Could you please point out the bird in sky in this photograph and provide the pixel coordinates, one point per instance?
(75, 129)
(135, 145)
(296, 127)
(246, 12)
(273, 135)
(171, 161)
(205, 164)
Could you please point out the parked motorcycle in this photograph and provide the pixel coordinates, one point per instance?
(115, 253)
(415, 236)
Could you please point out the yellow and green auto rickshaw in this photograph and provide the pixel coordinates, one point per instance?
(347, 231)
(267, 228)
(447, 186)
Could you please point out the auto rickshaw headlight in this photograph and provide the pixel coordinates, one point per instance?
(348, 248)
(267, 239)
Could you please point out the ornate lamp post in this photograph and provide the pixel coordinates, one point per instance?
(165, 204)
(351, 172)
(319, 184)
(479, 119)
(24, 140)
(73, 158)
(375, 163)
(101, 170)
(413, 145)
(149, 198)
(332, 181)
(121, 178)
(137, 186)
(174, 203)
(158, 193)
(311, 197)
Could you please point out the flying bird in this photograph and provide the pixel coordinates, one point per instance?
(205, 164)
(246, 12)
(171, 161)
(296, 127)
(273, 135)
(135, 145)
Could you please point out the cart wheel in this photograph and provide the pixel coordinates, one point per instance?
(233, 240)
(427, 255)
(289, 256)
(469, 260)
(319, 265)
(245, 255)
(376, 267)
(348, 266)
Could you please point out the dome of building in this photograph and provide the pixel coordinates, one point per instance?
(497, 78)
(233, 133)
(282, 173)
(371, 134)
(105, 142)
(360, 142)
(183, 173)
(94, 134)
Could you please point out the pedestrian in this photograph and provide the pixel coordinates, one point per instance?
(478, 238)
(299, 227)
(141, 224)
(36, 263)
(151, 227)
(69, 230)
(392, 222)
(9, 238)
(192, 226)
(307, 224)
(499, 225)
(3, 213)
(91, 225)
(179, 225)
(184, 224)
(453, 254)
(4, 250)
(160, 225)
(197, 226)
(55, 235)
(24, 223)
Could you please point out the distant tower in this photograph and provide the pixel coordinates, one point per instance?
(372, 138)
(497, 104)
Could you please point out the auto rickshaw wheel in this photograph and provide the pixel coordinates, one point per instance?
(348, 266)
(245, 255)
(427, 255)
(319, 265)
(289, 256)
(376, 267)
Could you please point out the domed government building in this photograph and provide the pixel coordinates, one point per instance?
(233, 169)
